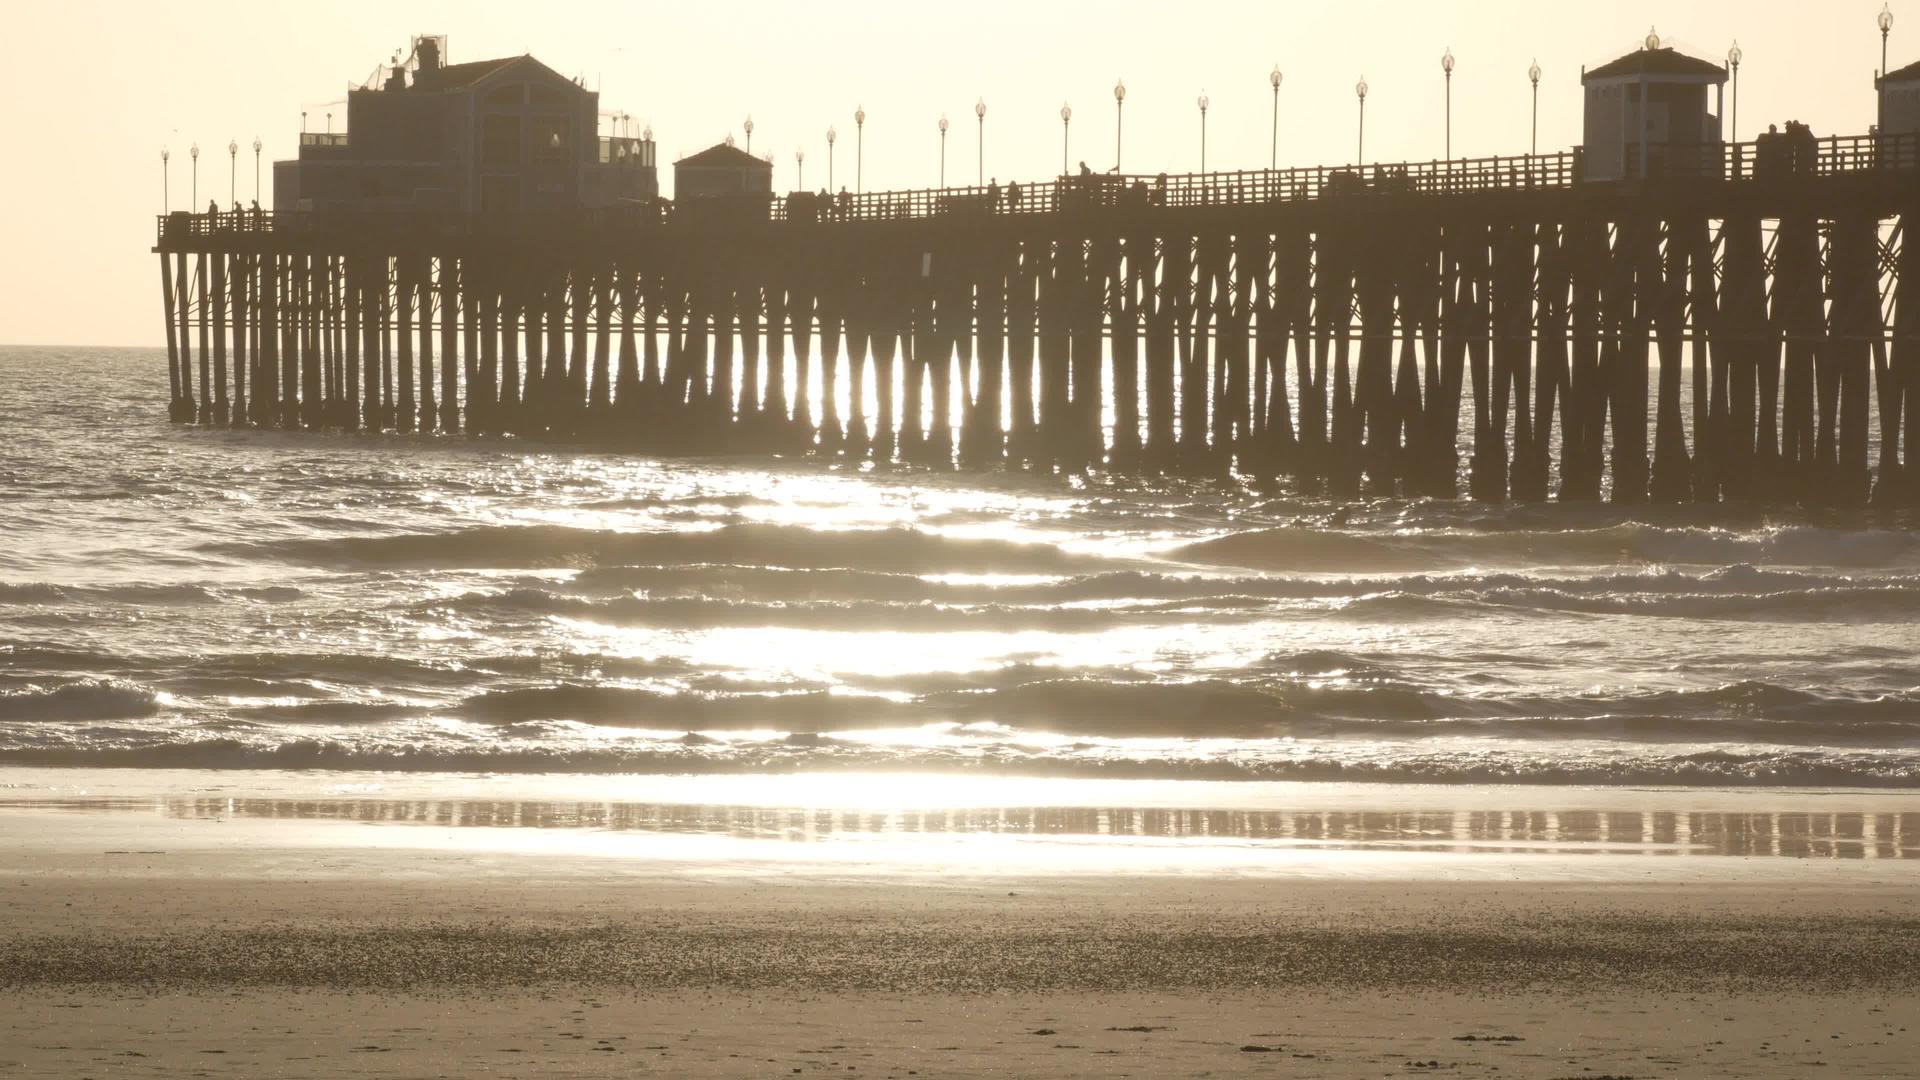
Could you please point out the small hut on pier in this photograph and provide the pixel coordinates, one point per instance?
(1647, 115)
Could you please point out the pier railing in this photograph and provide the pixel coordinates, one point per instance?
(1770, 158)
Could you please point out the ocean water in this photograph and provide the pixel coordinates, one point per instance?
(183, 598)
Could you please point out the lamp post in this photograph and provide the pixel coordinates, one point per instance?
(859, 146)
(1885, 20)
(1360, 91)
(194, 153)
(980, 142)
(800, 169)
(1066, 119)
(749, 126)
(1533, 76)
(233, 158)
(1203, 102)
(1273, 152)
(256, 170)
(1119, 99)
(1733, 62)
(1446, 67)
(166, 182)
(943, 150)
(831, 136)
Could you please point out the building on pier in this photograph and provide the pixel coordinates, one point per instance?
(1647, 115)
(1899, 100)
(720, 171)
(492, 136)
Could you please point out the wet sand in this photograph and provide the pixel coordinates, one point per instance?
(136, 945)
(549, 974)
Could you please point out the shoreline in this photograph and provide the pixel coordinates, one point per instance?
(367, 944)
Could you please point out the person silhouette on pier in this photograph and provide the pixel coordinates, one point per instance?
(1013, 195)
(993, 194)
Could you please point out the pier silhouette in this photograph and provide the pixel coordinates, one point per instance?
(1334, 325)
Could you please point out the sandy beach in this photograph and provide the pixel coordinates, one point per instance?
(143, 944)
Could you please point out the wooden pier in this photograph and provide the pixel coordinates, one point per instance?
(1326, 325)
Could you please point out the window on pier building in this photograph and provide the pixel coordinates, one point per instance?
(550, 144)
(500, 140)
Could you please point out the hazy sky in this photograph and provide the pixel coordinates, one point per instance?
(94, 90)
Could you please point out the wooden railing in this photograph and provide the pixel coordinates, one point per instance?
(1765, 159)
(1187, 190)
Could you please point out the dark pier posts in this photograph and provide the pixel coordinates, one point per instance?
(981, 443)
(859, 312)
(449, 345)
(370, 342)
(1022, 315)
(800, 305)
(888, 356)
(774, 410)
(1197, 332)
(1742, 346)
(1376, 428)
(406, 289)
(428, 414)
(1855, 315)
(1295, 300)
(1903, 366)
(1631, 297)
(1123, 315)
(171, 300)
(219, 297)
(1711, 369)
(1552, 380)
(482, 288)
(238, 308)
(183, 289)
(1672, 476)
(1797, 312)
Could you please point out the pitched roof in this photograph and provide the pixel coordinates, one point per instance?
(722, 156)
(1665, 61)
(1910, 73)
(460, 76)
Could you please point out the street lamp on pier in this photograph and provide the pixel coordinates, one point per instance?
(1733, 62)
(1885, 20)
(1119, 99)
(1066, 119)
(1533, 76)
(233, 158)
(1273, 152)
(166, 181)
(256, 170)
(859, 147)
(1446, 66)
(749, 126)
(831, 136)
(943, 150)
(194, 153)
(800, 169)
(1360, 91)
(1202, 102)
(980, 143)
